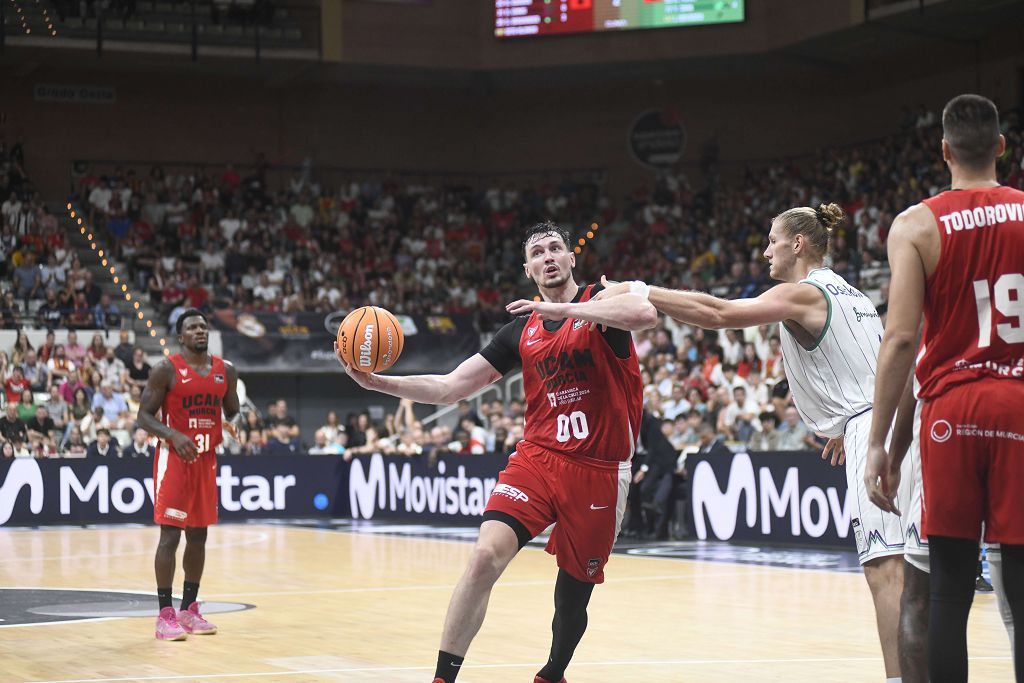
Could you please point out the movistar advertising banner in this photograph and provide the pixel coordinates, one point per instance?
(37, 492)
(790, 497)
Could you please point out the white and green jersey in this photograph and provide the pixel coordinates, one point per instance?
(834, 379)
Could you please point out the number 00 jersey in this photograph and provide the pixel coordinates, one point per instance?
(193, 404)
(974, 301)
(583, 399)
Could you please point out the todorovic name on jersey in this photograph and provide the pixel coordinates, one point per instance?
(981, 217)
(200, 405)
(564, 368)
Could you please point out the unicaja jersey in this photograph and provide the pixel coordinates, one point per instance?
(974, 301)
(834, 379)
(582, 400)
(194, 402)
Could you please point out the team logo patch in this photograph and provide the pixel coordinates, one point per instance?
(219, 379)
(941, 431)
(510, 492)
(530, 331)
(577, 324)
(593, 566)
(175, 514)
(858, 534)
(183, 371)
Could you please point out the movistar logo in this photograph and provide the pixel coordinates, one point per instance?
(22, 473)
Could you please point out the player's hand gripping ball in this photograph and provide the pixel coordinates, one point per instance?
(370, 339)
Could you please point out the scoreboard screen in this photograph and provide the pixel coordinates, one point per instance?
(517, 18)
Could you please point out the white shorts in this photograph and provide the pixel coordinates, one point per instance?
(916, 550)
(878, 534)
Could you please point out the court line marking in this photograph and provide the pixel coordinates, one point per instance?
(261, 536)
(530, 665)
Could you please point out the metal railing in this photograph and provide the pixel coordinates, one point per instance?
(503, 391)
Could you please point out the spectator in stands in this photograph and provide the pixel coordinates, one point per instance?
(333, 428)
(50, 314)
(282, 442)
(115, 408)
(61, 367)
(11, 427)
(106, 313)
(42, 429)
(27, 281)
(74, 351)
(125, 350)
(112, 370)
(252, 434)
(407, 444)
(21, 348)
(7, 449)
(58, 408)
(97, 350)
(53, 276)
(793, 434)
(35, 372)
(91, 423)
(739, 420)
(10, 312)
(46, 350)
(139, 446)
(323, 445)
(138, 369)
(767, 438)
(105, 446)
(277, 413)
(15, 385)
(74, 446)
(80, 316)
(26, 406)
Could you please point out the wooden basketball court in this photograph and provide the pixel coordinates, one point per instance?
(338, 606)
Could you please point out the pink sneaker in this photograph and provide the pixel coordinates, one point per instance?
(167, 626)
(192, 621)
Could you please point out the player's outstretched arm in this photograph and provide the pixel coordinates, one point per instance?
(630, 312)
(790, 301)
(473, 374)
(159, 383)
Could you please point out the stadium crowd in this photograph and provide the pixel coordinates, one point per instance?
(231, 240)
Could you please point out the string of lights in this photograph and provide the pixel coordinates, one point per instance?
(117, 279)
(580, 243)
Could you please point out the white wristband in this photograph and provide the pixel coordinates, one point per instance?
(641, 288)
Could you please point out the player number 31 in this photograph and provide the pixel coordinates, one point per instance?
(1009, 300)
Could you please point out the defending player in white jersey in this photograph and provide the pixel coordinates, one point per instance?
(830, 335)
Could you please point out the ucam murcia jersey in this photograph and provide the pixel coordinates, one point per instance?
(582, 400)
(834, 379)
(974, 301)
(194, 404)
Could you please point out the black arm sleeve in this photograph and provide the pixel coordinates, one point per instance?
(503, 351)
(616, 338)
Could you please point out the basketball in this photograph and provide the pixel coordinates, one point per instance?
(370, 339)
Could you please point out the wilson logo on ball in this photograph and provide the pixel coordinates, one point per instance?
(370, 339)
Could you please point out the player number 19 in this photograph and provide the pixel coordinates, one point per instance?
(576, 423)
(202, 442)
(1008, 294)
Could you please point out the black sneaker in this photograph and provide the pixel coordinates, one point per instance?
(982, 585)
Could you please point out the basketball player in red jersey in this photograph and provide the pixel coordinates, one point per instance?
(190, 390)
(584, 400)
(957, 258)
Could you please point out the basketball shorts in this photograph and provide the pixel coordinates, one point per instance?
(585, 500)
(184, 494)
(916, 548)
(878, 534)
(972, 459)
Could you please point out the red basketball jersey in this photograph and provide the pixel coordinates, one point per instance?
(581, 399)
(193, 405)
(974, 301)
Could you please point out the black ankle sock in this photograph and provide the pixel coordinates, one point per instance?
(164, 596)
(448, 666)
(188, 596)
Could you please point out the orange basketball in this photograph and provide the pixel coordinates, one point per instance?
(370, 339)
